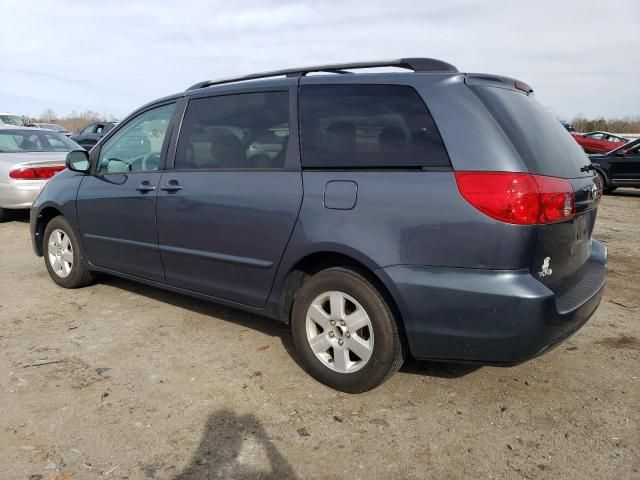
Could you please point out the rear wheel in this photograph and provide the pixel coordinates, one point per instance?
(344, 331)
(2, 214)
(605, 187)
(62, 255)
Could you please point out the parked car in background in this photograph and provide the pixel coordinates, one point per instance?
(567, 126)
(53, 126)
(598, 142)
(91, 134)
(619, 167)
(11, 119)
(28, 158)
(434, 220)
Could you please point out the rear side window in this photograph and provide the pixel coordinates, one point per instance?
(542, 142)
(368, 126)
(242, 131)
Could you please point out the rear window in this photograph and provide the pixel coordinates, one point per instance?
(368, 126)
(542, 142)
(11, 120)
(15, 141)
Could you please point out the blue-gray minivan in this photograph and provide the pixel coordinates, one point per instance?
(424, 212)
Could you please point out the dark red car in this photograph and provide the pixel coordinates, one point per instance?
(598, 142)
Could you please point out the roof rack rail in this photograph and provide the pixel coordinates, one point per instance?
(415, 64)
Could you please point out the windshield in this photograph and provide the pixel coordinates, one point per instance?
(11, 119)
(13, 141)
(630, 148)
(53, 126)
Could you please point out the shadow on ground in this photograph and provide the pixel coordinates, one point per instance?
(625, 192)
(236, 446)
(438, 369)
(20, 216)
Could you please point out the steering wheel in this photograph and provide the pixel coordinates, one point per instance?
(151, 161)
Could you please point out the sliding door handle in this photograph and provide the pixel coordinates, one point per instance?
(171, 186)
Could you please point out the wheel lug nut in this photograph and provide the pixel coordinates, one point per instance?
(340, 342)
(342, 323)
(331, 334)
(347, 334)
(332, 322)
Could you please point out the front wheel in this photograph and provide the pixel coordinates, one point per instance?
(344, 331)
(62, 255)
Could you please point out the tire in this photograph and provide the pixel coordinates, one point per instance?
(369, 328)
(605, 188)
(3, 215)
(64, 246)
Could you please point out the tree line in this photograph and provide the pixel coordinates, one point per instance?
(74, 121)
(613, 125)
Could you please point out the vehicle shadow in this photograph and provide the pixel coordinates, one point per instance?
(268, 326)
(21, 216)
(449, 370)
(228, 314)
(235, 446)
(624, 192)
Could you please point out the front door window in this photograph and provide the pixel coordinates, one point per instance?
(137, 146)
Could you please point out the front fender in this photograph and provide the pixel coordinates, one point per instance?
(57, 197)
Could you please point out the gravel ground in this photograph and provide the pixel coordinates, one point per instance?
(120, 380)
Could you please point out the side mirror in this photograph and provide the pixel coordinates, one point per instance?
(78, 161)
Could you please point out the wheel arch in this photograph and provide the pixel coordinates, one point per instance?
(605, 174)
(45, 215)
(315, 262)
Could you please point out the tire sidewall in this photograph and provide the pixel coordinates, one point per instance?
(74, 279)
(386, 343)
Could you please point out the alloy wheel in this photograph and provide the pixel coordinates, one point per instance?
(60, 253)
(339, 332)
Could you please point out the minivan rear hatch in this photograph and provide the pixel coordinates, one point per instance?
(563, 249)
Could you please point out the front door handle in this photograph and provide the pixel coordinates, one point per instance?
(145, 187)
(172, 186)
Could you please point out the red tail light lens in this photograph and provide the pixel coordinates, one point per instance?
(519, 198)
(557, 200)
(35, 173)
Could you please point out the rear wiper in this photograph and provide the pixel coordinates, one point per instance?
(586, 168)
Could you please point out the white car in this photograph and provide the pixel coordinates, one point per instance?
(10, 119)
(28, 158)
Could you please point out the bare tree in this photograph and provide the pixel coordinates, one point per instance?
(48, 115)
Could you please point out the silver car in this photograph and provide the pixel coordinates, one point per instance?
(28, 158)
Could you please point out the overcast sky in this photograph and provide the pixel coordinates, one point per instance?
(581, 57)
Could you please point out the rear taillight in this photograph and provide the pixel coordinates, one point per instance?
(519, 198)
(35, 173)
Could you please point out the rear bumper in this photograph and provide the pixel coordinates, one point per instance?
(490, 316)
(20, 195)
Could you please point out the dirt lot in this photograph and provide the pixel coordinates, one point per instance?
(120, 380)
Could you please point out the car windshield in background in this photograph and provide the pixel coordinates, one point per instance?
(630, 148)
(12, 141)
(53, 126)
(11, 120)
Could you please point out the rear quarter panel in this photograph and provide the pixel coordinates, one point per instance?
(404, 218)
